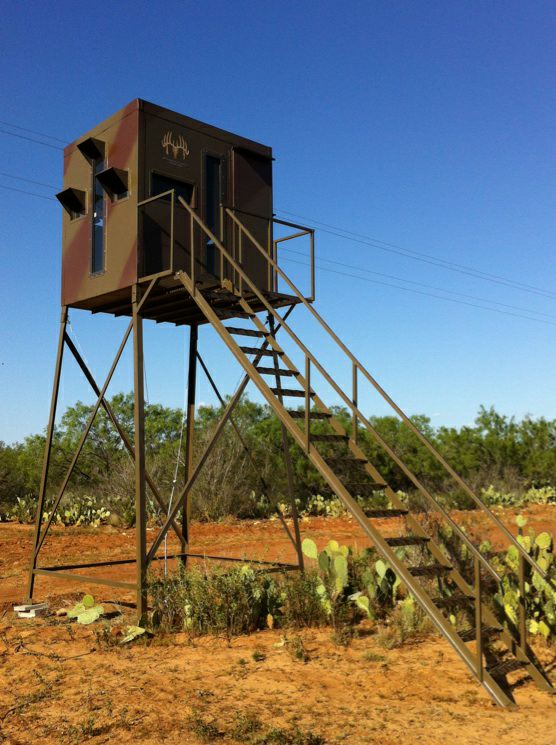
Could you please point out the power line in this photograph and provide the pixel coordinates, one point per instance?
(421, 292)
(366, 279)
(423, 284)
(33, 132)
(28, 180)
(31, 139)
(31, 193)
(340, 232)
(425, 258)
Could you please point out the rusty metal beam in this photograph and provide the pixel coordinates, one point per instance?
(190, 482)
(140, 483)
(189, 429)
(125, 439)
(87, 427)
(47, 451)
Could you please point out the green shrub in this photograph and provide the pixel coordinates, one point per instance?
(540, 495)
(301, 604)
(73, 510)
(540, 594)
(494, 498)
(406, 621)
(217, 601)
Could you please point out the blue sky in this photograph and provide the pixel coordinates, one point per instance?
(427, 126)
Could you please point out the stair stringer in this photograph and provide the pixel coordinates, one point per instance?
(525, 655)
(419, 593)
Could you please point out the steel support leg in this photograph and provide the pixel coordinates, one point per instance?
(189, 432)
(47, 451)
(287, 456)
(140, 489)
(125, 439)
(214, 439)
(264, 485)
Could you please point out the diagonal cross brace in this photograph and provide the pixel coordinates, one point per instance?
(214, 439)
(125, 439)
(88, 426)
(244, 445)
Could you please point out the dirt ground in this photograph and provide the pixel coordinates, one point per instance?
(61, 683)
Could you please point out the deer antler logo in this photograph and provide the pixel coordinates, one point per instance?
(176, 148)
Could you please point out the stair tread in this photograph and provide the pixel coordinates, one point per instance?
(407, 540)
(451, 601)
(506, 666)
(366, 485)
(345, 459)
(244, 332)
(385, 513)
(429, 570)
(295, 414)
(272, 371)
(469, 635)
(257, 350)
(293, 392)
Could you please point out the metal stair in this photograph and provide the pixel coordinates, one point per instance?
(420, 580)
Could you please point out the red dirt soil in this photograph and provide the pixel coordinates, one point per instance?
(61, 683)
(264, 540)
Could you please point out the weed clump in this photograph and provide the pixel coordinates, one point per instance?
(407, 621)
(205, 729)
(216, 601)
(302, 606)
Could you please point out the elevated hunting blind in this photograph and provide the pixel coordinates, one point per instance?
(169, 219)
(123, 182)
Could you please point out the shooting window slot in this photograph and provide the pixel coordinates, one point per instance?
(74, 201)
(114, 181)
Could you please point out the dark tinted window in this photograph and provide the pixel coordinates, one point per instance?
(213, 197)
(97, 257)
(160, 184)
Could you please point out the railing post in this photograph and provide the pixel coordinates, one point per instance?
(240, 260)
(478, 619)
(313, 290)
(354, 399)
(192, 251)
(222, 241)
(269, 251)
(307, 403)
(522, 603)
(172, 201)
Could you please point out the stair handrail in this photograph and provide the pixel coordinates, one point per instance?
(407, 421)
(473, 549)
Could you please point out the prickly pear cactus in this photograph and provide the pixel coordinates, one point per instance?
(87, 611)
(540, 594)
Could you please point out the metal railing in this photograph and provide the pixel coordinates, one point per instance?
(270, 253)
(310, 359)
(358, 417)
(359, 368)
(150, 200)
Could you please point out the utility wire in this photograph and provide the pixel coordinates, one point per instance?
(425, 258)
(33, 132)
(423, 284)
(344, 232)
(31, 193)
(422, 292)
(28, 180)
(31, 139)
(326, 228)
(365, 279)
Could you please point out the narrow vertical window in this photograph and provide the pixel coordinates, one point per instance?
(97, 257)
(213, 195)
